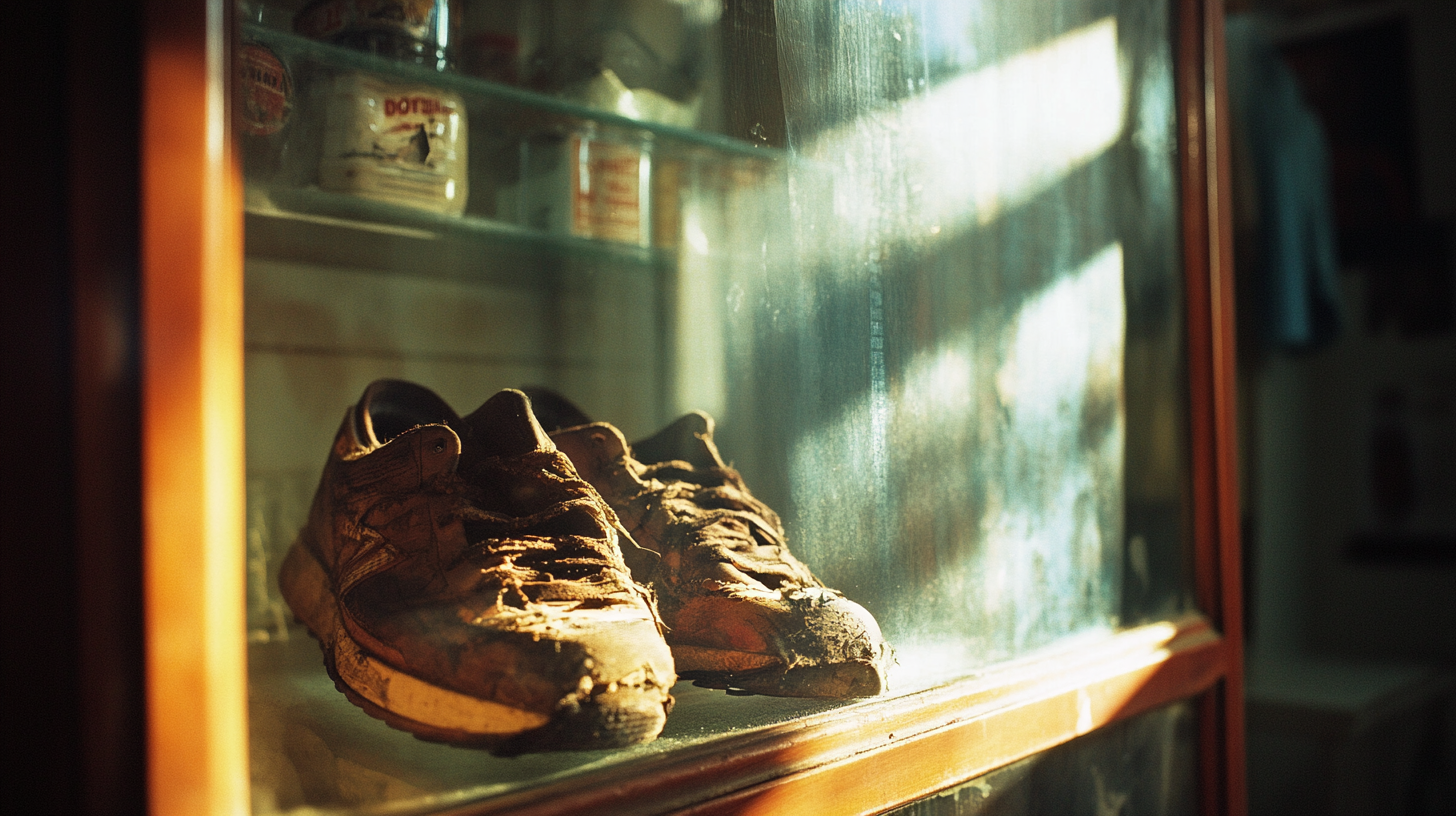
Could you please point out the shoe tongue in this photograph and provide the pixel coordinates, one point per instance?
(388, 408)
(593, 449)
(504, 426)
(689, 439)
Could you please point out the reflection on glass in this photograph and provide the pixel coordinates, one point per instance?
(945, 342)
(968, 148)
(1049, 460)
(1140, 767)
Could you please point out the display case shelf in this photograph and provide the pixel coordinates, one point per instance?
(714, 744)
(510, 208)
(320, 227)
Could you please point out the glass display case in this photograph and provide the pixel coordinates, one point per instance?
(942, 285)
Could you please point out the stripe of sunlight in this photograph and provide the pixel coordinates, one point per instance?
(977, 404)
(984, 142)
(965, 419)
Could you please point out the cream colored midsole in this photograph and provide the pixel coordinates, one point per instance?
(385, 686)
(409, 696)
(700, 658)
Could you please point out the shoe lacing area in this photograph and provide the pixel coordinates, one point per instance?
(718, 535)
(746, 613)
(536, 534)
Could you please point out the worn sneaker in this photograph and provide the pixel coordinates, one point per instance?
(468, 587)
(742, 612)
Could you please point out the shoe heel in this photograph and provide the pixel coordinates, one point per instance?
(309, 594)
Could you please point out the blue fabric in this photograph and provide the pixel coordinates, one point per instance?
(1295, 286)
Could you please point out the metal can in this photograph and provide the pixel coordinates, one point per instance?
(588, 186)
(265, 89)
(395, 141)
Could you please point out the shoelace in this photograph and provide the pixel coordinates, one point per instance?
(563, 552)
(728, 528)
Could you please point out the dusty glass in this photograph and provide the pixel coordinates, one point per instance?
(919, 260)
(954, 361)
(1144, 766)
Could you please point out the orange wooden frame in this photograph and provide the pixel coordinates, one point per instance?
(864, 758)
(1204, 150)
(192, 429)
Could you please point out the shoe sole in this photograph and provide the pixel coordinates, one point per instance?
(611, 718)
(765, 674)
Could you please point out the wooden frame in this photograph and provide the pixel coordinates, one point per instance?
(879, 754)
(192, 491)
(1204, 150)
(192, 424)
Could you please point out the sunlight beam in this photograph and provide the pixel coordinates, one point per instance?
(986, 141)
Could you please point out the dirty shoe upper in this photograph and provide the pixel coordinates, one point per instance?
(467, 586)
(742, 612)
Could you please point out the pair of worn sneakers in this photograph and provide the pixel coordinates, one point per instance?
(478, 581)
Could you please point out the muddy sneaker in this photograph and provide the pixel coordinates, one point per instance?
(742, 612)
(468, 587)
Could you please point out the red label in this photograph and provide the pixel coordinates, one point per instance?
(606, 191)
(416, 106)
(265, 90)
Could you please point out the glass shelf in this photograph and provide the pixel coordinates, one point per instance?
(312, 748)
(297, 47)
(317, 226)
(522, 159)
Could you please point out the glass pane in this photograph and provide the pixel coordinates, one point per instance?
(955, 364)
(919, 261)
(1145, 766)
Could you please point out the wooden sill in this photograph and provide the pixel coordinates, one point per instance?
(876, 755)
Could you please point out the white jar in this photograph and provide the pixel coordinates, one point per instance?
(398, 142)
